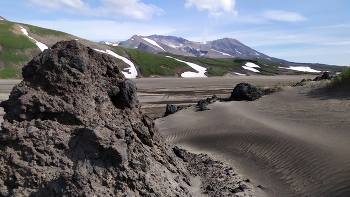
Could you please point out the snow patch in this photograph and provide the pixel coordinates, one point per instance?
(257, 53)
(112, 43)
(173, 45)
(238, 52)
(132, 39)
(251, 69)
(132, 73)
(41, 46)
(1, 19)
(252, 65)
(152, 42)
(303, 69)
(240, 74)
(201, 70)
(221, 52)
(25, 32)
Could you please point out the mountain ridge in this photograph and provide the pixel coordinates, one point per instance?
(219, 48)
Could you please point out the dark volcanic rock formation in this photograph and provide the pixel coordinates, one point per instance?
(171, 109)
(73, 127)
(202, 105)
(245, 91)
(324, 76)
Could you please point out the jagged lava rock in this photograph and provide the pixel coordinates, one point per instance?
(73, 127)
(245, 91)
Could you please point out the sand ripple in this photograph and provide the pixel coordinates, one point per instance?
(289, 142)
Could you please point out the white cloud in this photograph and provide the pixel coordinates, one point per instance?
(58, 4)
(216, 8)
(116, 8)
(130, 8)
(103, 30)
(343, 42)
(281, 15)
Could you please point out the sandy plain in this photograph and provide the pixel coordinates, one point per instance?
(293, 143)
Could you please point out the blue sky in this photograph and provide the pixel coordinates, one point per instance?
(315, 31)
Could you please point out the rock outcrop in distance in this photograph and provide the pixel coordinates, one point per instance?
(73, 127)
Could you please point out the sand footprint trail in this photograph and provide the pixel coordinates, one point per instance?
(280, 141)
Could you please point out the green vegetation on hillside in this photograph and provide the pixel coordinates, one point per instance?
(152, 64)
(342, 78)
(43, 31)
(11, 45)
(221, 66)
(212, 62)
(217, 72)
(119, 50)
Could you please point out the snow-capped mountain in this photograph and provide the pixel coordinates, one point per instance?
(221, 48)
(109, 43)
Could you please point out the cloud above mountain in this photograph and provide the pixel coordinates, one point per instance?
(282, 15)
(117, 8)
(215, 8)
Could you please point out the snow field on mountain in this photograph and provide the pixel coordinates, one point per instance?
(239, 74)
(153, 43)
(251, 66)
(201, 70)
(221, 52)
(41, 46)
(302, 69)
(132, 70)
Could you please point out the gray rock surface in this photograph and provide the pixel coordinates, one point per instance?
(73, 127)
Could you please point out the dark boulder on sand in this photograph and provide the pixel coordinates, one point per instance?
(245, 91)
(324, 76)
(202, 105)
(74, 127)
(171, 109)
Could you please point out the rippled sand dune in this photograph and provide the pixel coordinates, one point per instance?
(293, 143)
